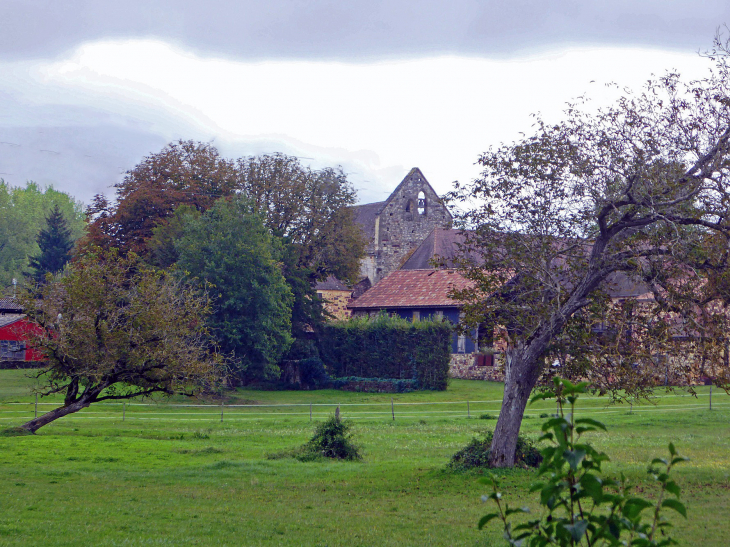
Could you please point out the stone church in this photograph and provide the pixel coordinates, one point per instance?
(397, 226)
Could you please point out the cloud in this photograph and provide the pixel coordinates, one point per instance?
(120, 100)
(377, 29)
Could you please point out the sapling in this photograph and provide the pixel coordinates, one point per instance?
(583, 506)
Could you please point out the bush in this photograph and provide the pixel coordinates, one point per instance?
(475, 455)
(331, 439)
(389, 347)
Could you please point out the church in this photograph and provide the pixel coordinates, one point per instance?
(396, 227)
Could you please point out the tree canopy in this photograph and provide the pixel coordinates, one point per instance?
(23, 213)
(112, 328)
(306, 207)
(229, 248)
(627, 201)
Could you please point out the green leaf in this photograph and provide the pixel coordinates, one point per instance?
(542, 396)
(676, 505)
(593, 486)
(574, 457)
(672, 488)
(577, 530)
(672, 450)
(634, 506)
(591, 421)
(486, 518)
(679, 459)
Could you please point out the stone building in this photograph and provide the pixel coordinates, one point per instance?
(397, 226)
(335, 296)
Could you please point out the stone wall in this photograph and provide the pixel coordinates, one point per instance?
(463, 366)
(335, 303)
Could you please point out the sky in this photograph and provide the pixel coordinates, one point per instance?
(89, 87)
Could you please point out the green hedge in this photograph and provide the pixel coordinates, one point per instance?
(389, 347)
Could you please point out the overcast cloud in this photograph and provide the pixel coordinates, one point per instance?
(89, 87)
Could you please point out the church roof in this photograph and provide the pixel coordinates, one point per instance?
(441, 242)
(365, 217)
(9, 305)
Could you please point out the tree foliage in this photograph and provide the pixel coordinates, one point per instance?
(23, 213)
(113, 329)
(229, 248)
(55, 243)
(630, 200)
(306, 207)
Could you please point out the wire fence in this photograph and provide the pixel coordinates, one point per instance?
(378, 411)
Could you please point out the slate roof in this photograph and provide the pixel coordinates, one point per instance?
(330, 284)
(365, 217)
(9, 305)
(441, 242)
(426, 288)
(9, 319)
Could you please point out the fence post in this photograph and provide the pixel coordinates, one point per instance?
(36, 405)
(468, 412)
(710, 396)
(221, 411)
(310, 412)
(124, 410)
(392, 408)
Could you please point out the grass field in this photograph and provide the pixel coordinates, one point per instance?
(176, 475)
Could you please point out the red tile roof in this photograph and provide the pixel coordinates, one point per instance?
(412, 289)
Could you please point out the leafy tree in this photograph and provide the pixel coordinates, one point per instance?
(310, 209)
(55, 243)
(114, 329)
(183, 173)
(23, 213)
(632, 193)
(229, 248)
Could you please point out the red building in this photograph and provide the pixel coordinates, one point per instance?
(15, 330)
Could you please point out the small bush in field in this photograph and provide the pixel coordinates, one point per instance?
(331, 440)
(475, 455)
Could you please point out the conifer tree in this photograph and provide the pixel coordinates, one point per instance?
(55, 242)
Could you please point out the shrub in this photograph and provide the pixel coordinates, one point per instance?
(475, 455)
(331, 439)
(389, 347)
(583, 507)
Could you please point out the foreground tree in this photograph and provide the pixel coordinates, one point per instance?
(114, 329)
(637, 191)
(229, 248)
(55, 243)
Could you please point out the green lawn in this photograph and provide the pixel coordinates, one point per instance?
(177, 475)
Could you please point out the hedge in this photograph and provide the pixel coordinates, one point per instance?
(389, 347)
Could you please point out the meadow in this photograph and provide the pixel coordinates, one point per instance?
(168, 473)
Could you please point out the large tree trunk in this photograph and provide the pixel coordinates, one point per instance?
(523, 374)
(36, 423)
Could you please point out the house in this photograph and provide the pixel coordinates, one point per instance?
(396, 227)
(15, 330)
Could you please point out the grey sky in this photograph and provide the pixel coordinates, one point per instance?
(357, 30)
(390, 102)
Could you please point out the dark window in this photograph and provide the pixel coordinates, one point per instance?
(12, 350)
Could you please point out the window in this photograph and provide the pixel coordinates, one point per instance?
(421, 203)
(438, 315)
(416, 316)
(461, 344)
(12, 350)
